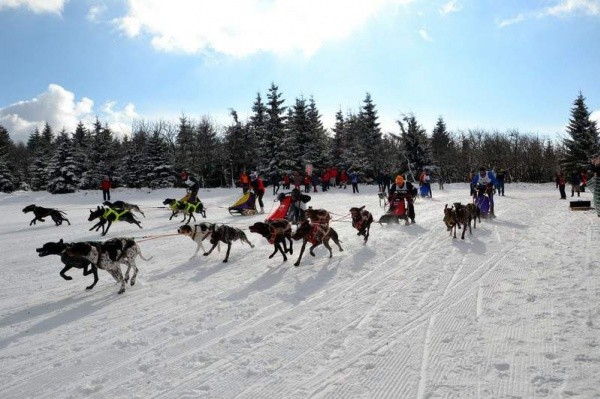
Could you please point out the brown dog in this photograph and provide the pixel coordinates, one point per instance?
(361, 221)
(317, 234)
(277, 231)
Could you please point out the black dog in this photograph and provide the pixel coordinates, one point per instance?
(276, 231)
(123, 205)
(40, 213)
(317, 234)
(227, 235)
(361, 221)
(110, 215)
(188, 209)
(58, 248)
(109, 255)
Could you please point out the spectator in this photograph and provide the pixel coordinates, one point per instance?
(286, 181)
(244, 181)
(106, 186)
(575, 183)
(315, 181)
(307, 183)
(354, 181)
(344, 179)
(560, 184)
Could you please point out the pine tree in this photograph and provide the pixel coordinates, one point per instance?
(62, 168)
(159, 172)
(273, 145)
(371, 136)
(81, 144)
(584, 142)
(7, 178)
(43, 149)
(415, 143)
(207, 166)
(442, 147)
(338, 144)
(187, 146)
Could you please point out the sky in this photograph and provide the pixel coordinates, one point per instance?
(478, 64)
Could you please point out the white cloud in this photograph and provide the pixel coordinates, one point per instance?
(450, 7)
(561, 8)
(425, 35)
(595, 116)
(58, 108)
(507, 22)
(565, 7)
(243, 27)
(37, 6)
(95, 13)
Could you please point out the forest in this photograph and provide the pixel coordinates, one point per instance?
(280, 138)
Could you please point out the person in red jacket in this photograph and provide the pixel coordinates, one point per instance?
(259, 189)
(106, 186)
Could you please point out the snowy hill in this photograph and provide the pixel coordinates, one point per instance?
(511, 311)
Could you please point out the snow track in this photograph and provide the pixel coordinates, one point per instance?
(511, 311)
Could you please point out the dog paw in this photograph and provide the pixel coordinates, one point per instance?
(205, 254)
(296, 264)
(122, 290)
(68, 277)
(271, 256)
(312, 254)
(225, 261)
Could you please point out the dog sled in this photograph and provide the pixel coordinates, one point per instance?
(291, 207)
(245, 205)
(396, 211)
(483, 201)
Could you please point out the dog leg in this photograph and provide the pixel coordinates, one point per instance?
(63, 275)
(310, 250)
(198, 246)
(93, 270)
(211, 249)
(282, 249)
(277, 248)
(227, 254)
(301, 252)
(107, 227)
(120, 279)
(135, 270)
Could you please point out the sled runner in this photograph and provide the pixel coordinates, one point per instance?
(245, 206)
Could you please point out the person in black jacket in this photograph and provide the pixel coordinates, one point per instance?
(192, 184)
(405, 190)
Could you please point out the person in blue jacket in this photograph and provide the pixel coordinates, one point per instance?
(484, 182)
(354, 181)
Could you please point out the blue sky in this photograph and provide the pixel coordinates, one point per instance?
(491, 64)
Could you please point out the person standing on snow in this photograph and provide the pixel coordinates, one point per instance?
(560, 184)
(106, 186)
(402, 189)
(259, 189)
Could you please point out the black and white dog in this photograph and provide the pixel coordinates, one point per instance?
(59, 248)
(123, 205)
(40, 213)
(198, 233)
(227, 235)
(109, 256)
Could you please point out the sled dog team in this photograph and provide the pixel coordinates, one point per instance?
(111, 254)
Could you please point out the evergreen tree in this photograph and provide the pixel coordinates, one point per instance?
(159, 173)
(338, 145)
(415, 143)
(257, 134)
(234, 144)
(442, 147)
(187, 146)
(207, 167)
(81, 145)
(354, 157)
(62, 168)
(584, 141)
(371, 137)
(273, 145)
(43, 150)
(320, 143)
(7, 178)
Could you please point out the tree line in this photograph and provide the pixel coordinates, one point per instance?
(279, 138)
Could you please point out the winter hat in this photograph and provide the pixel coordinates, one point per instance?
(184, 175)
(253, 176)
(399, 180)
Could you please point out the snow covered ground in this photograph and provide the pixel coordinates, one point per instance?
(511, 311)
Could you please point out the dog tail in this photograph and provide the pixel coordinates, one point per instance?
(142, 256)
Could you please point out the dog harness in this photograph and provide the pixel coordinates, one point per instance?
(112, 211)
